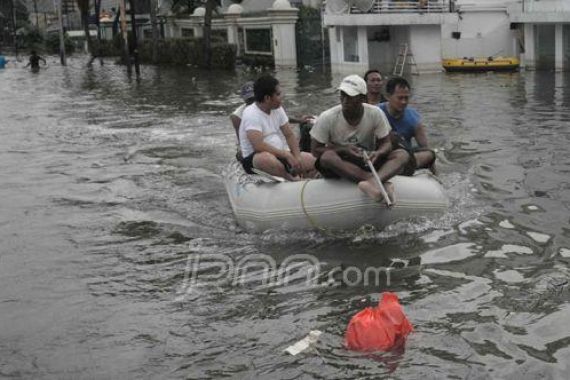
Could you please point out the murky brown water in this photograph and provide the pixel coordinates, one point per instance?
(110, 194)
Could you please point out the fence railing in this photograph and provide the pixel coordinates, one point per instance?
(393, 6)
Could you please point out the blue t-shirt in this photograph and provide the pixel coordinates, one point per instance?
(406, 125)
(2, 62)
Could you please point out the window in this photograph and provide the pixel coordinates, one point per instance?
(350, 44)
(258, 41)
(187, 32)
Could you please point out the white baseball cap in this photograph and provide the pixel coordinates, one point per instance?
(353, 85)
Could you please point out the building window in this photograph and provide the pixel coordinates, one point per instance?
(258, 41)
(187, 33)
(350, 44)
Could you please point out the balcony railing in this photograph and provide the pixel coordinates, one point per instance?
(394, 6)
(552, 6)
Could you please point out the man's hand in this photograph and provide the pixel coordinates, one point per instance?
(376, 155)
(295, 163)
(350, 150)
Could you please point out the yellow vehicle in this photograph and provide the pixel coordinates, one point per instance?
(481, 64)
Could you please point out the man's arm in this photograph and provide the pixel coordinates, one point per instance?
(294, 159)
(236, 121)
(256, 140)
(291, 140)
(318, 148)
(384, 148)
(421, 136)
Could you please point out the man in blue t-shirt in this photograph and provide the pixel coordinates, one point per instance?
(406, 124)
(2, 61)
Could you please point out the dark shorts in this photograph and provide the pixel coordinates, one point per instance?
(247, 164)
(410, 167)
(326, 173)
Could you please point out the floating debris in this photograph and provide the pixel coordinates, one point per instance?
(538, 237)
(509, 248)
(506, 224)
(509, 276)
(304, 343)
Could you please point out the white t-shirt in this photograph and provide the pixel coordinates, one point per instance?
(239, 111)
(254, 119)
(332, 127)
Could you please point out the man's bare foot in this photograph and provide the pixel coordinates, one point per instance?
(370, 188)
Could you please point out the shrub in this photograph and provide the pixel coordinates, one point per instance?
(52, 44)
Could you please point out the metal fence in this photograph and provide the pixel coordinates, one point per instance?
(388, 6)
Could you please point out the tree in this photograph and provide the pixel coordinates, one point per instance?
(181, 7)
(83, 6)
(210, 5)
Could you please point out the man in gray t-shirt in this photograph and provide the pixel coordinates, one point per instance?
(342, 132)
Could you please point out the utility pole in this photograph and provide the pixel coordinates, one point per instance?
(126, 55)
(15, 37)
(61, 34)
(135, 40)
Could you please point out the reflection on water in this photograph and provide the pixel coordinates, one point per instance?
(111, 195)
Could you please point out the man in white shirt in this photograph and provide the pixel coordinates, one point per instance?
(343, 131)
(266, 140)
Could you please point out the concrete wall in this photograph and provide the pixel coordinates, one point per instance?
(425, 45)
(544, 37)
(483, 34)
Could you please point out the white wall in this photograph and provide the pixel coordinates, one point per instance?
(425, 45)
(483, 34)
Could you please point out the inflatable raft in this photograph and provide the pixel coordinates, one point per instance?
(481, 64)
(260, 204)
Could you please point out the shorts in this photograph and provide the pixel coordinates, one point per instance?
(410, 167)
(247, 164)
(326, 173)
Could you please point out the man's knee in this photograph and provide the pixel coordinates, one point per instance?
(328, 158)
(263, 159)
(400, 155)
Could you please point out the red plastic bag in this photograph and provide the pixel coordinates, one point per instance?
(380, 328)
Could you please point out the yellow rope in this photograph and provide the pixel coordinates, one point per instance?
(309, 218)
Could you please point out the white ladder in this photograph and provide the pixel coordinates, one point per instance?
(403, 55)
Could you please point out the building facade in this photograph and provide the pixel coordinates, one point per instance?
(377, 33)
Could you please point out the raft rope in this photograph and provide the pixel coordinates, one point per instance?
(309, 218)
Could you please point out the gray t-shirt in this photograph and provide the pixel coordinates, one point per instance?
(332, 127)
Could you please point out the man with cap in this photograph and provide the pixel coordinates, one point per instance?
(266, 140)
(343, 131)
(246, 93)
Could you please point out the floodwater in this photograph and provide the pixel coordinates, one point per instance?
(120, 256)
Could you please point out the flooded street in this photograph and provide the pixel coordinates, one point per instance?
(111, 189)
